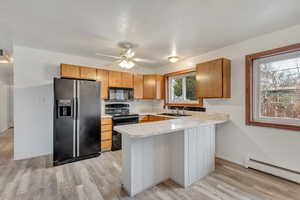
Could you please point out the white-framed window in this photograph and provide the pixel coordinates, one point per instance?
(276, 89)
(182, 88)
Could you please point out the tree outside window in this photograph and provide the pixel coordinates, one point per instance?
(183, 88)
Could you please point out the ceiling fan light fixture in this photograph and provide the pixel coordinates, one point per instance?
(130, 53)
(173, 59)
(127, 64)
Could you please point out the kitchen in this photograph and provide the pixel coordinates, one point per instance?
(138, 86)
(230, 143)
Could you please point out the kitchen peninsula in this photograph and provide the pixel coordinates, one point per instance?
(182, 149)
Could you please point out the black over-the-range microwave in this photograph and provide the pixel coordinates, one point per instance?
(120, 94)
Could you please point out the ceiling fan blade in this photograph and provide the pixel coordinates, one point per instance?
(112, 64)
(144, 60)
(110, 56)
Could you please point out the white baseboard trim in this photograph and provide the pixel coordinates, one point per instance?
(275, 170)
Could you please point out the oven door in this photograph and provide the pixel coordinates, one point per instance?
(116, 136)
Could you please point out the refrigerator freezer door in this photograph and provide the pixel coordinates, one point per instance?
(88, 124)
(64, 120)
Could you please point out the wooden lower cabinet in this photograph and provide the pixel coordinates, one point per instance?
(106, 134)
(143, 119)
(152, 118)
(106, 127)
(106, 145)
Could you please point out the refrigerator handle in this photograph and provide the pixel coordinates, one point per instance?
(74, 119)
(78, 118)
(74, 108)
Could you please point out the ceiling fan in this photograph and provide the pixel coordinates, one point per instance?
(126, 58)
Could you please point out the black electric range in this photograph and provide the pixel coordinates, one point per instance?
(121, 115)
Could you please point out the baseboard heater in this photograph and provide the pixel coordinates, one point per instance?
(274, 170)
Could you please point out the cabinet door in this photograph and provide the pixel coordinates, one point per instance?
(102, 76)
(69, 71)
(160, 87)
(149, 86)
(143, 119)
(138, 86)
(127, 80)
(209, 79)
(106, 145)
(88, 73)
(115, 79)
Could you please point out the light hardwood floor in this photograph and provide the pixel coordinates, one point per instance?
(100, 178)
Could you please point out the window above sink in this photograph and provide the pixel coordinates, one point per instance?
(181, 88)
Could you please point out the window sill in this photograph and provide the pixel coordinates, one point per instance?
(198, 104)
(273, 125)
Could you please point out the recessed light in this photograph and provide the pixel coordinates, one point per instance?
(173, 59)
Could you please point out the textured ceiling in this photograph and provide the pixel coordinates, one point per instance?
(158, 27)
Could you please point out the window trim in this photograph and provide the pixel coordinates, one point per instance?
(183, 77)
(199, 102)
(249, 87)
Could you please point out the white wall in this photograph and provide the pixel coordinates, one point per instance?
(34, 70)
(235, 140)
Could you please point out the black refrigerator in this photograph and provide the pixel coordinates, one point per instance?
(76, 120)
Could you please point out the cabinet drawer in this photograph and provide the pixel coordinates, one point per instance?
(106, 128)
(157, 118)
(106, 120)
(144, 118)
(105, 145)
(106, 135)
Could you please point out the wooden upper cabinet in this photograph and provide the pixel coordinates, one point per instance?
(213, 79)
(160, 87)
(115, 79)
(149, 86)
(154, 86)
(69, 71)
(102, 76)
(138, 86)
(127, 80)
(88, 73)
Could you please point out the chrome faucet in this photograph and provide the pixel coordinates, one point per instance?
(177, 111)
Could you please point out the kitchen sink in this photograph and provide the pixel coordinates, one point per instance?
(174, 114)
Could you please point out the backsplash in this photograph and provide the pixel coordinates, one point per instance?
(139, 106)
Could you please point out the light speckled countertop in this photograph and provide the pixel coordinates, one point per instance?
(106, 116)
(149, 129)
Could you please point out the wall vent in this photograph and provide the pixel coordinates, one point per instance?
(269, 168)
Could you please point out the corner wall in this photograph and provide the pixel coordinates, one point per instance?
(34, 70)
(235, 141)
